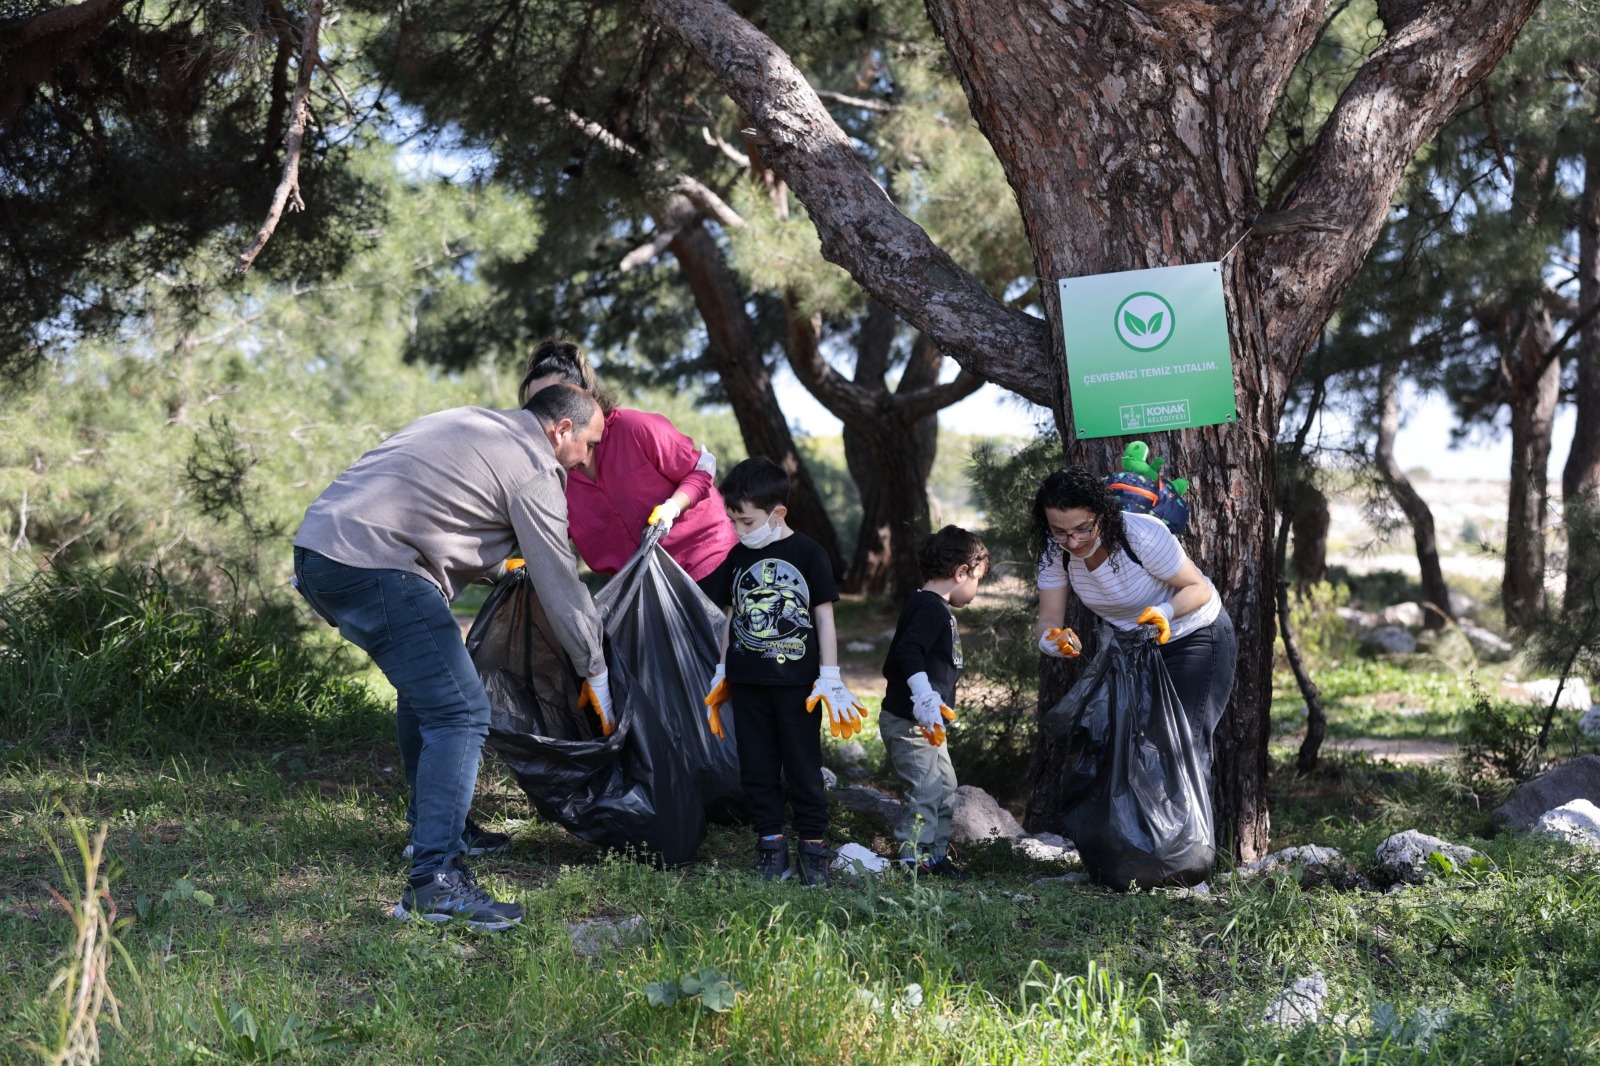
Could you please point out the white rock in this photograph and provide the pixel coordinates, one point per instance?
(1300, 1004)
(1288, 858)
(1574, 694)
(593, 938)
(830, 780)
(1077, 877)
(1055, 840)
(1404, 856)
(1039, 851)
(859, 646)
(1589, 724)
(1406, 615)
(1356, 621)
(855, 859)
(1486, 645)
(976, 815)
(1577, 822)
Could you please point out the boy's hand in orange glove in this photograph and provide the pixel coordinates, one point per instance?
(845, 712)
(715, 699)
(1060, 644)
(596, 694)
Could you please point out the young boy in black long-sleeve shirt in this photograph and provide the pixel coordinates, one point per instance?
(922, 669)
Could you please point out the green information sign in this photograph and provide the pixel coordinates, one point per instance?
(1147, 350)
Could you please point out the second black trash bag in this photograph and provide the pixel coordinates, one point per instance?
(632, 790)
(1135, 789)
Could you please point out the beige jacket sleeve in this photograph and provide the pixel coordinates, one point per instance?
(539, 516)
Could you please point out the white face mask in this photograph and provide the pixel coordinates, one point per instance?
(760, 537)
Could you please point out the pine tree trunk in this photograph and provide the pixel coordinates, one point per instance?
(1435, 593)
(1535, 380)
(1580, 478)
(1309, 525)
(1130, 135)
(731, 340)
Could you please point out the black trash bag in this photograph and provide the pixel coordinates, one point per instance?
(1136, 786)
(669, 636)
(628, 791)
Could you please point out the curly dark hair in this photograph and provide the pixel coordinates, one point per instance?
(941, 554)
(1072, 488)
(566, 362)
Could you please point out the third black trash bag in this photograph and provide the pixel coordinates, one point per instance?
(1135, 789)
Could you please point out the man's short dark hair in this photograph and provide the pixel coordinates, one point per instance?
(941, 554)
(758, 481)
(555, 402)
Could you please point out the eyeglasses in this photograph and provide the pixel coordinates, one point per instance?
(1075, 533)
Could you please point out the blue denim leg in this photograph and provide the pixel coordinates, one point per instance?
(404, 623)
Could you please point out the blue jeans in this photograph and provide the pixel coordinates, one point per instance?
(404, 623)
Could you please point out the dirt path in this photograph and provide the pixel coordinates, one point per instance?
(1402, 752)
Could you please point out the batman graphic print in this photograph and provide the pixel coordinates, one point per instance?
(772, 592)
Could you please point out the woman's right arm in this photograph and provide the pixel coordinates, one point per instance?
(1052, 610)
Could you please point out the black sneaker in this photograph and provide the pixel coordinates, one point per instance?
(772, 859)
(452, 893)
(478, 841)
(943, 868)
(816, 859)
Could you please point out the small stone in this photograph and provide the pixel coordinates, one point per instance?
(1577, 822)
(849, 753)
(859, 647)
(1388, 640)
(1077, 877)
(977, 816)
(594, 938)
(1589, 724)
(1405, 615)
(855, 859)
(1404, 856)
(1300, 1004)
(872, 802)
(830, 780)
(1039, 851)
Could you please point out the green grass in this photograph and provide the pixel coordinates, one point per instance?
(253, 880)
(296, 860)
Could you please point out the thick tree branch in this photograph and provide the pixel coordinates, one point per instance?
(879, 107)
(708, 201)
(1398, 100)
(79, 20)
(861, 230)
(288, 191)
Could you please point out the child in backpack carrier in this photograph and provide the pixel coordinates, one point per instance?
(922, 668)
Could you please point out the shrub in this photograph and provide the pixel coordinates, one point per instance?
(116, 659)
(1320, 633)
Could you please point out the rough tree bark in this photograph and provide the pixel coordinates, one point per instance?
(1130, 136)
(1580, 478)
(1435, 593)
(1309, 523)
(1531, 374)
(890, 440)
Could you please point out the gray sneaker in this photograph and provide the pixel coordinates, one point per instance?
(451, 893)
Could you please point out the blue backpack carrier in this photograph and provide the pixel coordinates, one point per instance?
(1142, 489)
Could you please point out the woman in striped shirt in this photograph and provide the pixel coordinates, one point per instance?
(1130, 571)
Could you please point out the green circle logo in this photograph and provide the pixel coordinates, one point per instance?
(1144, 321)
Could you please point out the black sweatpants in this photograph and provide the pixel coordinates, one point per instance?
(1202, 665)
(780, 757)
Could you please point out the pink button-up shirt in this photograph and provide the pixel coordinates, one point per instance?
(640, 462)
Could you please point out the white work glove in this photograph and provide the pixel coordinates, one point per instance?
(663, 515)
(596, 694)
(928, 709)
(1159, 616)
(1060, 644)
(845, 712)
